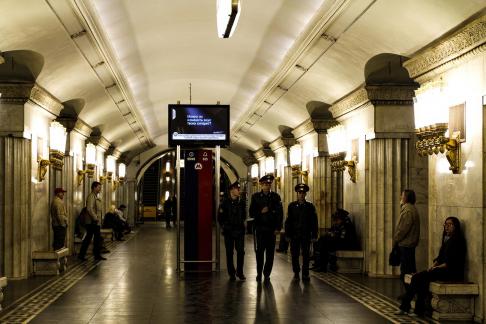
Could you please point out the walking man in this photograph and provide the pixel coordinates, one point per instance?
(92, 223)
(266, 210)
(231, 218)
(301, 229)
(58, 219)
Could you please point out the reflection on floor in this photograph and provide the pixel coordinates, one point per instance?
(138, 284)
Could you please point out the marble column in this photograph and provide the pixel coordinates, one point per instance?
(129, 188)
(69, 182)
(15, 206)
(388, 174)
(322, 191)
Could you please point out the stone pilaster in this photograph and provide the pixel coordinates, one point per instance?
(69, 182)
(129, 188)
(388, 174)
(15, 206)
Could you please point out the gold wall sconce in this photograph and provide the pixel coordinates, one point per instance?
(277, 182)
(42, 169)
(109, 176)
(81, 176)
(103, 178)
(116, 184)
(57, 159)
(432, 140)
(297, 172)
(90, 170)
(338, 163)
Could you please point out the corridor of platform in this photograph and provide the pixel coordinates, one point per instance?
(138, 284)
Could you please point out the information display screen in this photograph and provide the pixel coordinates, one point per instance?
(199, 125)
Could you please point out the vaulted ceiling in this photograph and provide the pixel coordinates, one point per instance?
(127, 60)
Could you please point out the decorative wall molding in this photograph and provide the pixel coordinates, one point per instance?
(282, 142)
(469, 37)
(249, 160)
(349, 102)
(376, 95)
(20, 93)
(322, 125)
(262, 153)
(45, 100)
(15, 92)
(100, 141)
(303, 129)
(82, 128)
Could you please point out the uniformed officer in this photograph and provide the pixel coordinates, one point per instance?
(231, 218)
(301, 229)
(266, 210)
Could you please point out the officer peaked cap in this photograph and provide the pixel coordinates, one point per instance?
(301, 187)
(235, 184)
(266, 178)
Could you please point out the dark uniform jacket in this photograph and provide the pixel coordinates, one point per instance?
(270, 221)
(301, 221)
(231, 216)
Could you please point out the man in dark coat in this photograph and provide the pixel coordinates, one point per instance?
(266, 210)
(341, 236)
(231, 218)
(301, 229)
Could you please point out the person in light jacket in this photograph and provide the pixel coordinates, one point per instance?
(92, 223)
(407, 233)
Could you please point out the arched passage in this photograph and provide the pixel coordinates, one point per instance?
(156, 182)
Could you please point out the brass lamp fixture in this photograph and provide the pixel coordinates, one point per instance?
(90, 164)
(57, 145)
(42, 170)
(110, 167)
(432, 140)
(122, 169)
(338, 163)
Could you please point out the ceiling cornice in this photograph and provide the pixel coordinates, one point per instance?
(450, 51)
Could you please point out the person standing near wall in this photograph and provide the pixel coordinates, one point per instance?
(231, 218)
(301, 229)
(58, 219)
(92, 223)
(407, 234)
(266, 210)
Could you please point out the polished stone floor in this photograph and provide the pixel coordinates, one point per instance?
(138, 284)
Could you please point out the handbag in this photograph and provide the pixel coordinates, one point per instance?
(394, 258)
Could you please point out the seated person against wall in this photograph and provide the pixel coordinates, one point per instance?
(448, 266)
(112, 221)
(341, 236)
(122, 218)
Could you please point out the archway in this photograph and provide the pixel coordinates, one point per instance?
(156, 182)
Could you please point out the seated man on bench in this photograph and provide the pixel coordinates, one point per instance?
(448, 266)
(341, 236)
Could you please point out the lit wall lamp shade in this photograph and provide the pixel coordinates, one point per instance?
(122, 170)
(295, 155)
(90, 154)
(110, 163)
(337, 139)
(227, 15)
(269, 164)
(57, 134)
(254, 171)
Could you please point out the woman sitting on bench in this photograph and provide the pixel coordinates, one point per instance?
(448, 266)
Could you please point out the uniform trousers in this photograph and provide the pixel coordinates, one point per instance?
(234, 242)
(298, 245)
(265, 251)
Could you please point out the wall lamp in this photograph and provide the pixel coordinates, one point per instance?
(58, 145)
(42, 170)
(338, 163)
(432, 140)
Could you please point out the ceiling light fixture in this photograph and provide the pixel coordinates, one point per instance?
(227, 14)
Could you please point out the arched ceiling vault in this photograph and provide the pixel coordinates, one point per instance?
(127, 60)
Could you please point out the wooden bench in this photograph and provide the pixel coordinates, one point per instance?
(107, 234)
(50, 262)
(3, 284)
(451, 301)
(349, 261)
